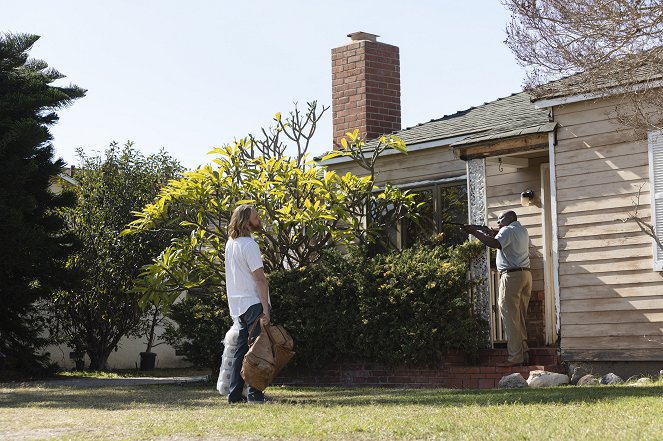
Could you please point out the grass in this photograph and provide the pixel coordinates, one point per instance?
(132, 373)
(179, 412)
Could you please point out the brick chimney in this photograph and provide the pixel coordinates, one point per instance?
(366, 87)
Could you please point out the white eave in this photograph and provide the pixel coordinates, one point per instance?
(65, 177)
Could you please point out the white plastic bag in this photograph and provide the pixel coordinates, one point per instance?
(229, 349)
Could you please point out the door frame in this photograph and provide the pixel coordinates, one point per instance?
(550, 312)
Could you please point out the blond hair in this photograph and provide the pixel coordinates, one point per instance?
(239, 225)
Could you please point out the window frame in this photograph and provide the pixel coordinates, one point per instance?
(655, 153)
(437, 209)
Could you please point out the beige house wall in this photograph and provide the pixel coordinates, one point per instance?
(420, 165)
(126, 357)
(611, 299)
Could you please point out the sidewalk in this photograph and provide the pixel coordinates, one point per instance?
(107, 382)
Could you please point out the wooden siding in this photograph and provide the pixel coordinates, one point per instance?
(503, 193)
(429, 164)
(611, 299)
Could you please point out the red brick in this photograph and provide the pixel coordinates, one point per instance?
(487, 383)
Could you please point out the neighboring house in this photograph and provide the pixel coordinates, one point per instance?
(127, 355)
(597, 287)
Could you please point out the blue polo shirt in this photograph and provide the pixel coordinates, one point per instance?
(514, 240)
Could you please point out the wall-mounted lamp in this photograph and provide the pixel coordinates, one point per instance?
(526, 198)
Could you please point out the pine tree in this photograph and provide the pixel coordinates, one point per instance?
(33, 241)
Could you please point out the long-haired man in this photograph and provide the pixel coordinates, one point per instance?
(247, 291)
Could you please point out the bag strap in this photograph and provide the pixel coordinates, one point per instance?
(253, 328)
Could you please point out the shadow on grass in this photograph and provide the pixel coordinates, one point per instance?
(203, 396)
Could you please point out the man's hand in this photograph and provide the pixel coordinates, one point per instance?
(469, 229)
(264, 320)
(473, 229)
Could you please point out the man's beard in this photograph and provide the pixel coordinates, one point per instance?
(255, 227)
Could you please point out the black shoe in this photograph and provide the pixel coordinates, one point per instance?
(240, 401)
(263, 400)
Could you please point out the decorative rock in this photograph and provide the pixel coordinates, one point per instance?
(546, 379)
(578, 373)
(588, 380)
(611, 379)
(513, 381)
(644, 380)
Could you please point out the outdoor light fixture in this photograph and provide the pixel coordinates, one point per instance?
(526, 198)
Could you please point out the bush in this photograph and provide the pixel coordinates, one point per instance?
(402, 308)
(405, 308)
(202, 320)
(319, 306)
(416, 306)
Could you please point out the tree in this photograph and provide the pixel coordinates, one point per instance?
(607, 47)
(305, 207)
(34, 243)
(645, 227)
(103, 308)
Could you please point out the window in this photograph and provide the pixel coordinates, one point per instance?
(444, 202)
(656, 189)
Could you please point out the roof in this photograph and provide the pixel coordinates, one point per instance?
(627, 72)
(501, 118)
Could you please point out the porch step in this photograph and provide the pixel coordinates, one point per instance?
(537, 356)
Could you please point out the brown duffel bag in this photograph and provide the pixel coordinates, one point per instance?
(282, 345)
(267, 355)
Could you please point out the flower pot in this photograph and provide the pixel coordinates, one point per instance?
(147, 361)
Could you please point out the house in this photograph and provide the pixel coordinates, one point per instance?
(569, 171)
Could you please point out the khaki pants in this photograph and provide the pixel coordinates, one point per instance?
(514, 294)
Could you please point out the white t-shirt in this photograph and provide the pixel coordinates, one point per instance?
(242, 259)
(515, 247)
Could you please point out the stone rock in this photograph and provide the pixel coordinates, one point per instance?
(644, 380)
(546, 379)
(588, 380)
(513, 381)
(578, 373)
(611, 379)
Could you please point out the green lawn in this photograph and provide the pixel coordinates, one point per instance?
(131, 373)
(182, 412)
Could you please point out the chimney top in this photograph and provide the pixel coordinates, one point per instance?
(358, 36)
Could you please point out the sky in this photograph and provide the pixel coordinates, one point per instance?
(189, 76)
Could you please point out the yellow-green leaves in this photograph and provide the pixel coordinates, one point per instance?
(353, 135)
(333, 153)
(304, 209)
(397, 143)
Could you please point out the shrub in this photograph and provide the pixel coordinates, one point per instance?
(319, 306)
(202, 319)
(416, 306)
(402, 308)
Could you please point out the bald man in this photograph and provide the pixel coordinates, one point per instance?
(512, 244)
